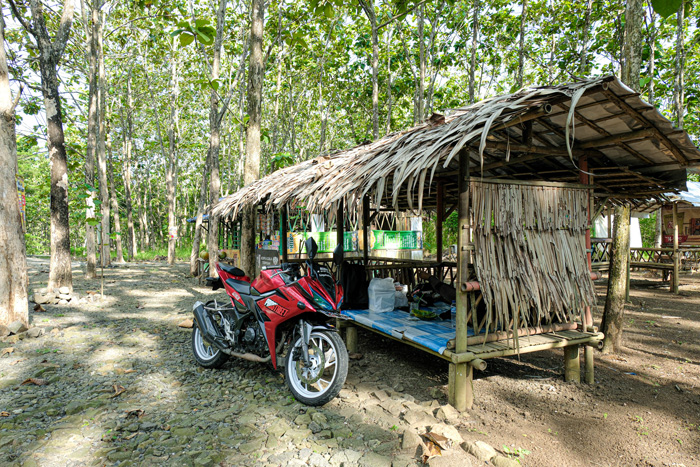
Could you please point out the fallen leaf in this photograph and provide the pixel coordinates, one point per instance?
(438, 439)
(4, 414)
(186, 323)
(118, 389)
(355, 356)
(77, 365)
(136, 413)
(37, 381)
(122, 371)
(140, 307)
(18, 361)
(39, 308)
(7, 351)
(430, 449)
(132, 435)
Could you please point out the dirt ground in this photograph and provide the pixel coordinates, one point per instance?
(644, 409)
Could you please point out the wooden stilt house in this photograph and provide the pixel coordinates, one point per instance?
(526, 172)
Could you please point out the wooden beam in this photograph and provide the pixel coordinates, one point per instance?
(614, 139)
(283, 234)
(439, 219)
(340, 224)
(676, 253)
(632, 112)
(365, 229)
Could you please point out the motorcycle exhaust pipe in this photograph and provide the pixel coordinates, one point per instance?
(208, 328)
(249, 356)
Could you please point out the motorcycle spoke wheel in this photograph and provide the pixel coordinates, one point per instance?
(324, 376)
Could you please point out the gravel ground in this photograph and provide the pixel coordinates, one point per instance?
(121, 388)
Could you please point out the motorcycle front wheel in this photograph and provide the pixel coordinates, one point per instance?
(322, 379)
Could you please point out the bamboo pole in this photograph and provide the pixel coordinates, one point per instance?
(676, 253)
(439, 220)
(572, 364)
(505, 335)
(586, 179)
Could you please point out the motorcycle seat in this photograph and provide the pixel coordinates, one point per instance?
(241, 287)
(233, 270)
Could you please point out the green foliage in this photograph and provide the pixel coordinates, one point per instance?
(648, 230)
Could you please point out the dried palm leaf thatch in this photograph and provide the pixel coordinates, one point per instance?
(530, 256)
(402, 164)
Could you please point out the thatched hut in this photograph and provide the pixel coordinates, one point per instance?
(526, 173)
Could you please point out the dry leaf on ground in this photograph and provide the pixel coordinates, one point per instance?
(6, 351)
(37, 381)
(118, 389)
(18, 361)
(430, 449)
(438, 439)
(186, 323)
(136, 413)
(355, 356)
(4, 414)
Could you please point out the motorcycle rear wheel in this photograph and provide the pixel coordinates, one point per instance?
(205, 354)
(324, 378)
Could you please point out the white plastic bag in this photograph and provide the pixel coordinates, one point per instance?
(400, 299)
(381, 295)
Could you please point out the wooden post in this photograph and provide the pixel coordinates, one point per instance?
(351, 338)
(676, 253)
(283, 234)
(629, 269)
(340, 224)
(588, 317)
(365, 230)
(462, 374)
(438, 222)
(572, 365)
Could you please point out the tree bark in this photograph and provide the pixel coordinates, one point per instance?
(583, 65)
(50, 53)
(115, 212)
(652, 51)
(368, 7)
(105, 256)
(389, 103)
(197, 238)
(252, 163)
(421, 64)
(521, 48)
(171, 169)
(215, 141)
(13, 263)
(129, 141)
(614, 312)
(679, 91)
(633, 44)
(93, 120)
(472, 65)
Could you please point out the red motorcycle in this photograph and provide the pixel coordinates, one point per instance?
(281, 317)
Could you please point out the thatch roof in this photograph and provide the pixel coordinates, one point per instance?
(538, 133)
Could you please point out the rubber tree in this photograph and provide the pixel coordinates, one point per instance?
(50, 53)
(13, 263)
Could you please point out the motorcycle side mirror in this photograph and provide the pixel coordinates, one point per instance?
(338, 255)
(311, 247)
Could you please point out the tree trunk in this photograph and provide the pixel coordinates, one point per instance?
(91, 146)
(679, 91)
(368, 7)
(472, 65)
(633, 44)
(614, 312)
(389, 103)
(197, 238)
(652, 51)
(13, 263)
(421, 64)
(128, 136)
(252, 162)
(171, 169)
(105, 257)
(215, 142)
(50, 53)
(521, 48)
(583, 65)
(115, 213)
(658, 231)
